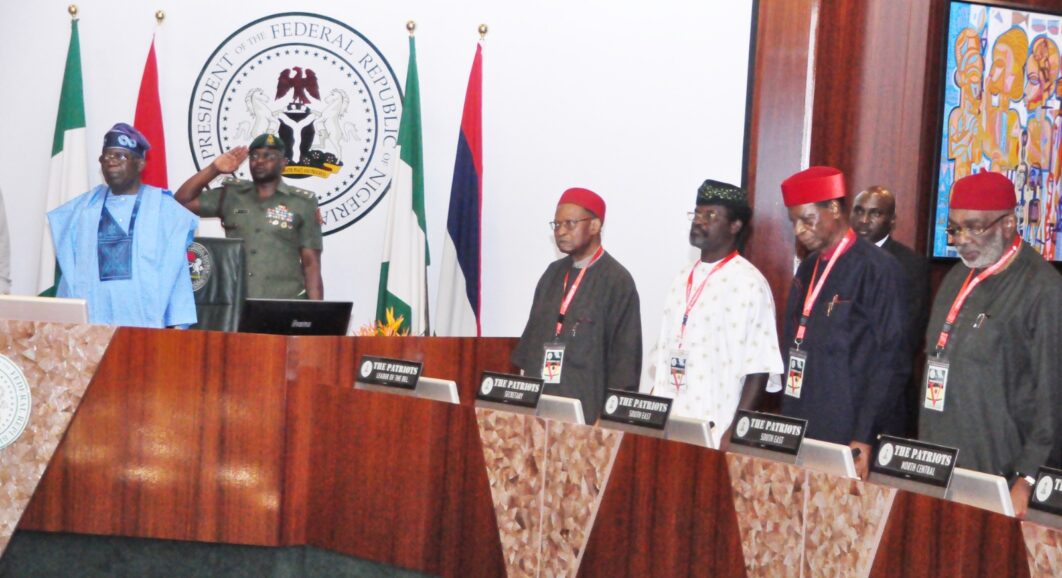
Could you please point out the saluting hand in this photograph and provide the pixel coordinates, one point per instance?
(231, 160)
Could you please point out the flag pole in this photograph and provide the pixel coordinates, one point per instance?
(411, 27)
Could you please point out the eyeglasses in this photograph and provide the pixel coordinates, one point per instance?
(569, 224)
(975, 231)
(115, 156)
(706, 217)
(267, 156)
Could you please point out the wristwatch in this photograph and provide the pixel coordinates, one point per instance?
(1028, 479)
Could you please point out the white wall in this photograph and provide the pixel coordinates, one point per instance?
(638, 101)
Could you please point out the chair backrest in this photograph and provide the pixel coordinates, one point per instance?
(217, 269)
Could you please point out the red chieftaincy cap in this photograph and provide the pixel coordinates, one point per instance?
(813, 185)
(984, 191)
(586, 199)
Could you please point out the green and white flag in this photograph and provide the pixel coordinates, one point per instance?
(403, 269)
(68, 172)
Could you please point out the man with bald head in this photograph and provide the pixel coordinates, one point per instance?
(844, 322)
(584, 333)
(992, 344)
(874, 218)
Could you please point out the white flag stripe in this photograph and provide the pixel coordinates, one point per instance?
(404, 248)
(68, 177)
(456, 317)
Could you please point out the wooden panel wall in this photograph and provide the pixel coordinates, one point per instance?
(777, 132)
(875, 114)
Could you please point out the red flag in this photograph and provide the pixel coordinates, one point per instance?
(459, 281)
(148, 120)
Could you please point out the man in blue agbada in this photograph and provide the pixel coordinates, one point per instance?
(122, 246)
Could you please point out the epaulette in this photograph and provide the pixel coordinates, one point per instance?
(305, 193)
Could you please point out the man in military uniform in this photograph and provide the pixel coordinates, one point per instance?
(278, 224)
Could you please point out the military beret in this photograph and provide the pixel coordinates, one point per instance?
(267, 141)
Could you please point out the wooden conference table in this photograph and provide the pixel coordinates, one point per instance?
(263, 440)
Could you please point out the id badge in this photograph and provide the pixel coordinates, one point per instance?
(794, 379)
(677, 368)
(552, 362)
(936, 384)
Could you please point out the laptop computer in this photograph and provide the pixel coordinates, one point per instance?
(295, 317)
(48, 309)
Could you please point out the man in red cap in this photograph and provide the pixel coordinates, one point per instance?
(844, 326)
(584, 333)
(992, 344)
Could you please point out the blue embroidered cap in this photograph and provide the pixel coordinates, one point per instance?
(123, 136)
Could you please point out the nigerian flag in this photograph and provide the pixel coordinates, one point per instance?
(68, 172)
(403, 269)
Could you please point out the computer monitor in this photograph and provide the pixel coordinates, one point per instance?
(48, 309)
(295, 317)
(980, 490)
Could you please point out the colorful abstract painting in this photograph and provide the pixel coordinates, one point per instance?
(1003, 112)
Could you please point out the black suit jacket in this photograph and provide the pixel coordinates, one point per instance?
(916, 268)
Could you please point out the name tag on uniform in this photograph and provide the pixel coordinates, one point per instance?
(936, 384)
(677, 368)
(552, 362)
(794, 379)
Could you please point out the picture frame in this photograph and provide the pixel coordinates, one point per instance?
(1002, 111)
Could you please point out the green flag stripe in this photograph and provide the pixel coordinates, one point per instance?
(386, 300)
(71, 102)
(381, 292)
(409, 138)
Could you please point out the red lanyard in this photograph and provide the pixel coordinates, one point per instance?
(575, 287)
(691, 301)
(968, 287)
(811, 296)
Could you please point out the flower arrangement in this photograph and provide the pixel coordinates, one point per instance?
(392, 327)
